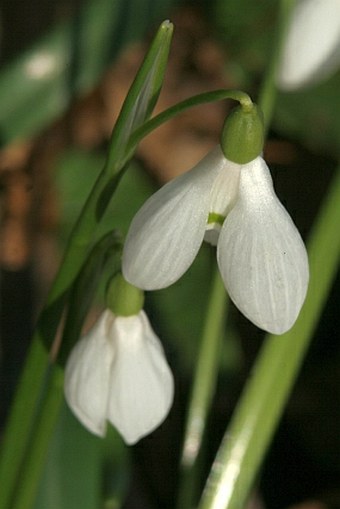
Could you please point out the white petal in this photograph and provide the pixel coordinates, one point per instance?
(222, 198)
(141, 384)
(167, 232)
(312, 48)
(87, 375)
(224, 191)
(261, 256)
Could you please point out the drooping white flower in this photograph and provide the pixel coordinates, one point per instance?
(311, 50)
(261, 256)
(118, 373)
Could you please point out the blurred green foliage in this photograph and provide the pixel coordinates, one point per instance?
(312, 116)
(81, 469)
(247, 30)
(69, 61)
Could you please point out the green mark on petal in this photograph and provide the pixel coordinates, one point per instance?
(215, 218)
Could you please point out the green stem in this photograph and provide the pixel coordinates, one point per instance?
(268, 91)
(18, 430)
(83, 234)
(202, 391)
(261, 405)
(36, 456)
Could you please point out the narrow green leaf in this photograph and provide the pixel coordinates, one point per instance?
(28, 481)
(202, 393)
(18, 430)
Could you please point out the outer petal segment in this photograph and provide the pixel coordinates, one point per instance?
(312, 46)
(87, 375)
(167, 232)
(141, 383)
(261, 256)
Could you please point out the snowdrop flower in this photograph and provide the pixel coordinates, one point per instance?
(312, 47)
(260, 254)
(118, 373)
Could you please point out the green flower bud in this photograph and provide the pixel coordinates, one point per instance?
(243, 134)
(122, 298)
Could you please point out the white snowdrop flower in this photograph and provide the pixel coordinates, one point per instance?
(311, 51)
(118, 373)
(260, 254)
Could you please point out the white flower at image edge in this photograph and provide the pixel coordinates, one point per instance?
(311, 51)
(260, 254)
(118, 373)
